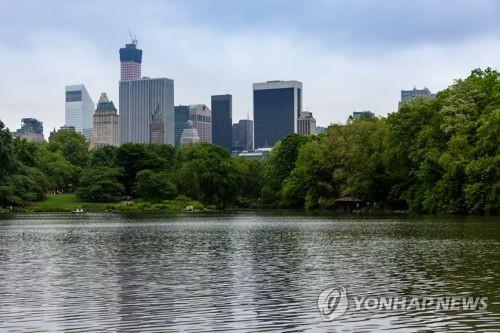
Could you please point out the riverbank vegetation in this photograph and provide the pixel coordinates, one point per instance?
(439, 155)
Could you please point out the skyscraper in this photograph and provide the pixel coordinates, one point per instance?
(31, 129)
(276, 108)
(222, 114)
(79, 110)
(181, 116)
(147, 111)
(130, 62)
(306, 123)
(242, 135)
(106, 125)
(201, 116)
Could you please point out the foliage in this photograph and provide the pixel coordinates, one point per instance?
(100, 184)
(154, 186)
(207, 173)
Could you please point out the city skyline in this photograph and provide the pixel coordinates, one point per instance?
(342, 64)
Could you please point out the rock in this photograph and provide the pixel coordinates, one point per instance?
(189, 209)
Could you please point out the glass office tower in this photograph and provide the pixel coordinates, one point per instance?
(222, 114)
(276, 107)
(181, 116)
(147, 111)
(79, 110)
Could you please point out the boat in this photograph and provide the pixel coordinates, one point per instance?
(78, 211)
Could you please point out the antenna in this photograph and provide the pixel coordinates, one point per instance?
(133, 38)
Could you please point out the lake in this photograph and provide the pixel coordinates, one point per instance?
(241, 272)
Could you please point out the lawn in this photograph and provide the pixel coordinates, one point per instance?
(64, 203)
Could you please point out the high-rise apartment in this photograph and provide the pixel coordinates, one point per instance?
(201, 116)
(147, 111)
(306, 123)
(106, 124)
(130, 62)
(276, 108)
(79, 110)
(222, 114)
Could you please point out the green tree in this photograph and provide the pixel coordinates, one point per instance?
(72, 145)
(103, 156)
(207, 172)
(135, 157)
(154, 186)
(100, 184)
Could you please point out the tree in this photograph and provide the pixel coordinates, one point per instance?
(72, 145)
(278, 167)
(135, 157)
(154, 185)
(103, 156)
(207, 172)
(100, 184)
(7, 157)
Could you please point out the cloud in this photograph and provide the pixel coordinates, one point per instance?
(349, 56)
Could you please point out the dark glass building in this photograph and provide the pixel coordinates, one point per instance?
(276, 107)
(222, 111)
(181, 116)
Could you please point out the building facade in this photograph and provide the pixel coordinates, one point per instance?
(306, 123)
(276, 108)
(242, 139)
(201, 116)
(79, 110)
(408, 95)
(147, 111)
(181, 116)
(130, 62)
(189, 135)
(222, 119)
(356, 115)
(31, 130)
(106, 124)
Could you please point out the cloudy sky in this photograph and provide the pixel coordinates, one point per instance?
(350, 55)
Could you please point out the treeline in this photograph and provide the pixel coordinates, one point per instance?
(431, 156)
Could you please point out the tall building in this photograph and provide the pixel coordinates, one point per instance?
(31, 129)
(408, 95)
(276, 108)
(306, 123)
(242, 135)
(147, 111)
(181, 116)
(130, 62)
(222, 119)
(356, 115)
(106, 124)
(201, 116)
(79, 110)
(189, 135)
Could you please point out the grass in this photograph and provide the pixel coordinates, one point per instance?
(65, 203)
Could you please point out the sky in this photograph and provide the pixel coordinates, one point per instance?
(350, 55)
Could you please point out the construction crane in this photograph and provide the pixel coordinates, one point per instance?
(133, 38)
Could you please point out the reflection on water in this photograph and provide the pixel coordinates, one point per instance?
(244, 272)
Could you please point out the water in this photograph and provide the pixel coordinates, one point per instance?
(242, 272)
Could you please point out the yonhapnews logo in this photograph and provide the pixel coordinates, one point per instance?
(335, 302)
